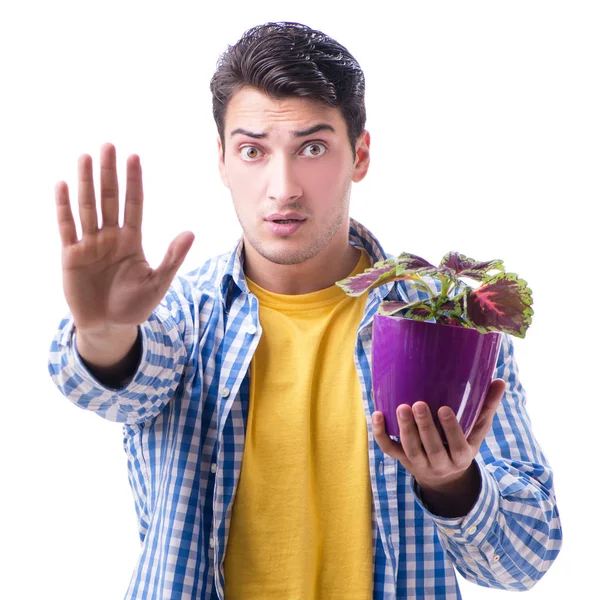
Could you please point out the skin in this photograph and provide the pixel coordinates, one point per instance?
(282, 172)
(110, 288)
(108, 284)
(311, 175)
(447, 475)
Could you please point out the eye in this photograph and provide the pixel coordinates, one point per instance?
(314, 150)
(249, 153)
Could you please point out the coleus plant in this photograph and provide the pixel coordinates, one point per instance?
(499, 302)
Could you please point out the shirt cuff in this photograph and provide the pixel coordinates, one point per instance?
(476, 526)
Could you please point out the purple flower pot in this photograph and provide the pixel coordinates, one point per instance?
(442, 365)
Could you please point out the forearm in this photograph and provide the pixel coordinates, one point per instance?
(511, 535)
(111, 359)
(141, 383)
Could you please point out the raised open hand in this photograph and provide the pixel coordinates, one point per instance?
(107, 280)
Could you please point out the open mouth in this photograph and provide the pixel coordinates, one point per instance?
(284, 227)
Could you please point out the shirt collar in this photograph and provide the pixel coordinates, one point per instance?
(233, 280)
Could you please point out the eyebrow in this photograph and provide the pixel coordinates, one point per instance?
(297, 134)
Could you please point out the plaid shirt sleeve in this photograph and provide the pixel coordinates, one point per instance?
(162, 363)
(512, 534)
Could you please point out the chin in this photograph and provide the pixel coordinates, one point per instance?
(285, 257)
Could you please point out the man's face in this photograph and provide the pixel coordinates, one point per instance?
(289, 167)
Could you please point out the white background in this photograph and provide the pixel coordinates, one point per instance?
(479, 115)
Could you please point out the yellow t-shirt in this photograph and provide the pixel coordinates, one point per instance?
(301, 522)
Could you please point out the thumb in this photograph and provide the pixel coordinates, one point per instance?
(486, 416)
(174, 257)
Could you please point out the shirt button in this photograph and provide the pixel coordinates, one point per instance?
(213, 468)
(496, 557)
(251, 329)
(390, 539)
(225, 392)
(381, 468)
(471, 530)
(211, 542)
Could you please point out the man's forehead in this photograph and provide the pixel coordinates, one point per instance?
(251, 111)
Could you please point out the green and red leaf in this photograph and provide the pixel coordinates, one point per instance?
(452, 320)
(452, 305)
(421, 312)
(502, 303)
(406, 266)
(383, 272)
(463, 266)
(391, 307)
(411, 263)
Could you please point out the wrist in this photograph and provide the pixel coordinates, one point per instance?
(107, 349)
(453, 497)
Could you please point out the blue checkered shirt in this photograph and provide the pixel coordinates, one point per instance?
(185, 413)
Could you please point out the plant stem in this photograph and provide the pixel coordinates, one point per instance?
(418, 278)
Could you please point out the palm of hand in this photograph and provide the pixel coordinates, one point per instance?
(106, 277)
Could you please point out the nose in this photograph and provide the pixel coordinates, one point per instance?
(283, 182)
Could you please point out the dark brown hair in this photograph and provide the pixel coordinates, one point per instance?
(289, 59)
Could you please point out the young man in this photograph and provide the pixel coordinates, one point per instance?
(257, 462)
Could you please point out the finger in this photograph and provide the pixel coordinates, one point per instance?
(109, 186)
(133, 194)
(65, 218)
(86, 196)
(458, 448)
(431, 440)
(410, 436)
(486, 416)
(386, 444)
(174, 257)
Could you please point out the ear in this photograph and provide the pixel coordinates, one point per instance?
(363, 156)
(221, 163)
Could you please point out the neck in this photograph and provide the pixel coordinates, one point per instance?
(318, 273)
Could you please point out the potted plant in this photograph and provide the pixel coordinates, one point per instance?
(443, 346)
